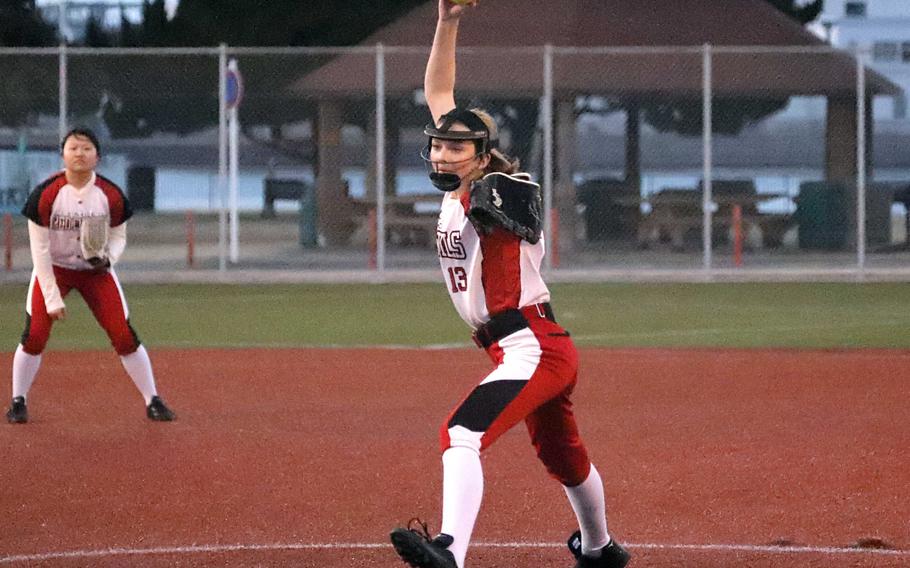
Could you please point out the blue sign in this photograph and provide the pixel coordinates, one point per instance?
(234, 84)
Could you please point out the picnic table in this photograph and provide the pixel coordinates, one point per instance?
(409, 219)
(676, 216)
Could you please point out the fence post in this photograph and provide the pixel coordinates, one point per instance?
(547, 119)
(860, 160)
(554, 238)
(62, 90)
(190, 239)
(707, 160)
(737, 235)
(378, 261)
(222, 158)
(373, 241)
(8, 241)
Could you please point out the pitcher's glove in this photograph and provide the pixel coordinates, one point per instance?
(509, 201)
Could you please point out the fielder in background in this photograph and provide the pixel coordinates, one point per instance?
(77, 231)
(490, 249)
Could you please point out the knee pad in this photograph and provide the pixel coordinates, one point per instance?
(34, 340)
(126, 342)
(569, 466)
(124, 347)
(459, 436)
(34, 346)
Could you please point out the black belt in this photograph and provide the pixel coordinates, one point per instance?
(508, 322)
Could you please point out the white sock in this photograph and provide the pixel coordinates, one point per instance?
(139, 368)
(462, 492)
(25, 367)
(587, 501)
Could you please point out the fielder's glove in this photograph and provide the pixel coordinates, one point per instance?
(99, 265)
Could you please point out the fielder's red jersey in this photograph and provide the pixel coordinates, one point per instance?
(60, 207)
(486, 274)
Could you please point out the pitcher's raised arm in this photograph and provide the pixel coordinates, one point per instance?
(439, 80)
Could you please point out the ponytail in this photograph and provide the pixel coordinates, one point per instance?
(499, 162)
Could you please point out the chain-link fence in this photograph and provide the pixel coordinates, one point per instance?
(688, 158)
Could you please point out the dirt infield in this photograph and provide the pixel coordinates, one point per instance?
(309, 457)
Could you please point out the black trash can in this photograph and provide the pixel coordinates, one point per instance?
(296, 190)
(821, 212)
(611, 209)
(308, 217)
(879, 199)
(140, 187)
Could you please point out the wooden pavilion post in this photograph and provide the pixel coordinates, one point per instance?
(334, 211)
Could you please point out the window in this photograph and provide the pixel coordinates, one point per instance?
(884, 51)
(855, 9)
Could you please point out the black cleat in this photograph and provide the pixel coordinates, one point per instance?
(18, 412)
(613, 555)
(415, 547)
(158, 411)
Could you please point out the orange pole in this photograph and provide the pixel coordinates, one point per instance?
(8, 241)
(373, 239)
(737, 235)
(554, 237)
(190, 239)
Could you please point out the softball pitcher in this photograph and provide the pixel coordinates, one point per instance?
(490, 249)
(60, 211)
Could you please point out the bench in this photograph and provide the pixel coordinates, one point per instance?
(274, 189)
(408, 221)
(676, 216)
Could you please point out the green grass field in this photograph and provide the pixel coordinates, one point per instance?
(617, 315)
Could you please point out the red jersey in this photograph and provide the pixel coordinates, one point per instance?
(60, 207)
(486, 274)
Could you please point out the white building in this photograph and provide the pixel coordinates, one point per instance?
(77, 13)
(880, 28)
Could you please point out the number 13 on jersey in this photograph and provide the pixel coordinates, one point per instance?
(458, 278)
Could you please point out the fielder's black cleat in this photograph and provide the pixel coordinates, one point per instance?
(158, 411)
(613, 555)
(415, 547)
(18, 412)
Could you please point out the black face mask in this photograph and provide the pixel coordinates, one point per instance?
(445, 182)
(478, 133)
